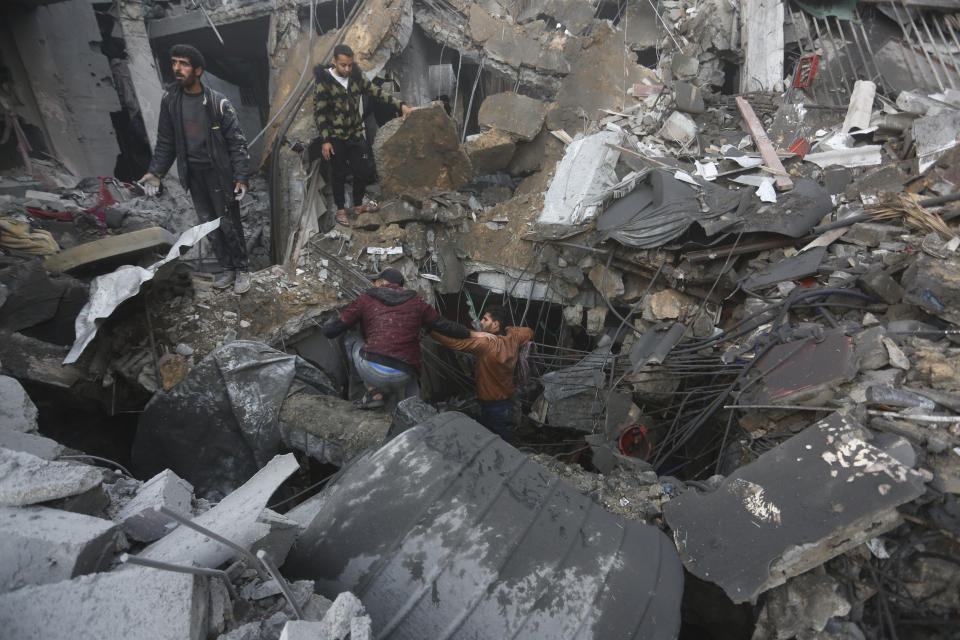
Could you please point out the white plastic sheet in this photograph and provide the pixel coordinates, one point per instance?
(109, 290)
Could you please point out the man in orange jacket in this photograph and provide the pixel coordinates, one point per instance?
(496, 355)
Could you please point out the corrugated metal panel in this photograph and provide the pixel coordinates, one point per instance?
(449, 532)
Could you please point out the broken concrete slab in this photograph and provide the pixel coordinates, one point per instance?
(141, 518)
(31, 443)
(519, 116)
(817, 495)
(139, 603)
(126, 247)
(869, 349)
(234, 518)
(26, 479)
(933, 284)
(276, 534)
(17, 411)
(501, 554)
(39, 545)
(421, 152)
(584, 174)
(489, 151)
(679, 128)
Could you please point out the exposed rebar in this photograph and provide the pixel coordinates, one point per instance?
(187, 522)
(180, 568)
(281, 582)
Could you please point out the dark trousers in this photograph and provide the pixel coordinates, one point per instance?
(211, 203)
(351, 156)
(496, 416)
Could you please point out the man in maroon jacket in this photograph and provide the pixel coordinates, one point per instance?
(390, 318)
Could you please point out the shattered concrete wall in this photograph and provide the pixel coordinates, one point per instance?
(71, 80)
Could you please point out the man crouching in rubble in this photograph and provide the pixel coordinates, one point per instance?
(390, 317)
(338, 111)
(199, 127)
(496, 359)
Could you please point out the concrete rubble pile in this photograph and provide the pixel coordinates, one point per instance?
(732, 226)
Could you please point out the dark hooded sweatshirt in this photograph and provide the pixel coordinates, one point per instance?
(391, 317)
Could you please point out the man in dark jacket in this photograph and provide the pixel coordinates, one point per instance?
(390, 317)
(199, 128)
(338, 111)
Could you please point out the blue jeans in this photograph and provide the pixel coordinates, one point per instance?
(496, 416)
(377, 375)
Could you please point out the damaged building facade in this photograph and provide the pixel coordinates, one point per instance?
(730, 224)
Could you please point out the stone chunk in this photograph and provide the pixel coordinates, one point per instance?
(668, 304)
(39, 545)
(17, 411)
(878, 283)
(512, 113)
(489, 151)
(140, 604)
(781, 515)
(26, 479)
(871, 234)
(610, 279)
(684, 66)
(870, 350)
(541, 154)
(689, 98)
(933, 284)
(337, 623)
(680, 128)
(421, 152)
(141, 518)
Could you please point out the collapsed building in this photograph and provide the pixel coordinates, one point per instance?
(731, 226)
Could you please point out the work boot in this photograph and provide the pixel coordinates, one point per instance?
(224, 280)
(242, 283)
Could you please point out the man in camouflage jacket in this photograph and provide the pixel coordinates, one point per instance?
(338, 111)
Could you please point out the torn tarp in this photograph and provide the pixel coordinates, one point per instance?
(109, 290)
(220, 424)
(660, 210)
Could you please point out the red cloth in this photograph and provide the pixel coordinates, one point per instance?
(391, 318)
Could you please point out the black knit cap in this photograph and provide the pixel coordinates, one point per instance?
(392, 276)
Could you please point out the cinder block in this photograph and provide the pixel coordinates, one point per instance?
(39, 545)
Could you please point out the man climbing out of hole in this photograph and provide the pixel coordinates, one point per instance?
(388, 360)
(199, 128)
(496, 348)
(338, 111)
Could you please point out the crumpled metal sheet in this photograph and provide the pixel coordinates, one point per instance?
(219, 425)
(447, 531)
(108, 291)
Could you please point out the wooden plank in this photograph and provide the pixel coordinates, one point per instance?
(782, 181)
(127, 244)
(762, 36)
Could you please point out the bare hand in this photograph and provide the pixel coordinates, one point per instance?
(150, 184)
(327, 151)
(241, 190)
(405, 110)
